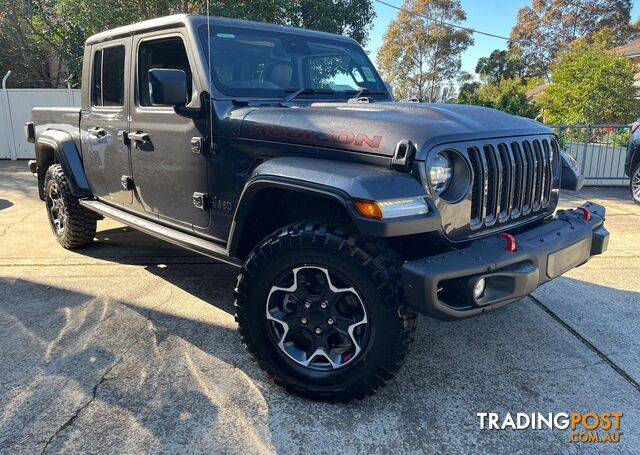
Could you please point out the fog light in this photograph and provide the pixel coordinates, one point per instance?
(478, 289)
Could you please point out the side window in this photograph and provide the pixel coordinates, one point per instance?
(96, 98)
(168, 53)
(108, 77)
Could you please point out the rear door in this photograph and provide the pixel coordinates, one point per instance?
(165, 170)
(107, 121)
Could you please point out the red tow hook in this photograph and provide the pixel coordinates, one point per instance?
(586, 212)
(511, 245)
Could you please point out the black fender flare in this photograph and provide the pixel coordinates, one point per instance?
(67, 155)
(342, 182)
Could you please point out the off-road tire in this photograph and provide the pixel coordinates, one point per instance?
(635, 184)
(79, 222)
(373, 269)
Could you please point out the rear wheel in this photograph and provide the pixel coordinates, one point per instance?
(73, 225)
(635, 184)
(320, 309)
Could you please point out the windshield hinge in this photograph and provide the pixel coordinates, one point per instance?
(361, 99)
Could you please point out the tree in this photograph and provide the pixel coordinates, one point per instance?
(549, 26)
(420, 56)
(507, 95)
(42, 40)
(590, 86)
(499, 65)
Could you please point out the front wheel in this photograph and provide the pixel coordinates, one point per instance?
(635, 184)
(320, 309)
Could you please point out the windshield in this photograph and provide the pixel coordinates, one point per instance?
(268, 64)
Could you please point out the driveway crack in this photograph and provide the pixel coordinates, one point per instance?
(103, 377)
(626, 376)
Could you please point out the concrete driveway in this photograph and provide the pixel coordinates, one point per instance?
(129, 346)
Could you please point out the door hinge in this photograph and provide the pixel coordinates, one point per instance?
(126, 182)
(203, 147)
(198, 146)
(201, 201)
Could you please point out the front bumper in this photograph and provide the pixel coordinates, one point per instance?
(442, 286)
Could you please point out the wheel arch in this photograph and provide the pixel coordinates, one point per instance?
(58, 147)
(321, 189)
(267, 205)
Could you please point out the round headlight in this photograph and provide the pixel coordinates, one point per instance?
(440, 172)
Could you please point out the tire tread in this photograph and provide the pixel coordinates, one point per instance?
(381, 263)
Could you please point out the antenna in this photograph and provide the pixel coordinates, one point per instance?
(210, 79)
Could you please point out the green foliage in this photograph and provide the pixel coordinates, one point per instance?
(590, 86)
(507, 95)
(42, 40)
(421, 57)
(549, 26)
(499, 65)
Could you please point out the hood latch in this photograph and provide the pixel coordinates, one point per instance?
(403, 155)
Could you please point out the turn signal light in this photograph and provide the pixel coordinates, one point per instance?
(368, 209)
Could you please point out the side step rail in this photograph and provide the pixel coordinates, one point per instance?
(187, 241)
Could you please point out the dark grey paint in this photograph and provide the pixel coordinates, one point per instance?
(242, 156)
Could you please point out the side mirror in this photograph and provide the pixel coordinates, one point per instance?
(168, 87)
(572, 178)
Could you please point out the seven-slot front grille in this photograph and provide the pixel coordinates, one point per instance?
(510, 180)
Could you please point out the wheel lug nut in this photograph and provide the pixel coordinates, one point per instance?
(304, 320)
(318, 330)
(324, 305)
(331, 321)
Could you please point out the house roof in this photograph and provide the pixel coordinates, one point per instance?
(629, 49)
(533, 92)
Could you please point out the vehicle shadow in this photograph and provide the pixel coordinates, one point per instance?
(5, 204)
(200, 276)
(182, 381)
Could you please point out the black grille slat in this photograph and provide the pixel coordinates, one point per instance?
(493, 185)
(548, 173)
(506, 193)
(540, 176)
(510, 180)
(476, 188)
(532, 164)
(518, 186)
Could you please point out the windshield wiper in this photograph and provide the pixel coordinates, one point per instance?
(365, 91)
(305, 91)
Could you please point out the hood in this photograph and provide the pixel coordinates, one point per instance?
(376, 128)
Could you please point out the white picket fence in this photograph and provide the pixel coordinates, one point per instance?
(15, 110)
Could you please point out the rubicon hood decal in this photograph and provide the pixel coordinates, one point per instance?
(378, 130)
(339, 138)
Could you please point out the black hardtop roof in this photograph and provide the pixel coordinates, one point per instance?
(189, 20)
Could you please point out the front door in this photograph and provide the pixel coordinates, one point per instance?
(166, 172)
(107, 121)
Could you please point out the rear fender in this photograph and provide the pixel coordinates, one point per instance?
(54, 146)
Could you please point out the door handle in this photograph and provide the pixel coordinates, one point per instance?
(139, 136)
(98, 132)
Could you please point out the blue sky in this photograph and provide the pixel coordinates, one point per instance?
(494, 16)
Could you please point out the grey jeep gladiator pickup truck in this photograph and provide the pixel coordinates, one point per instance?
(281, 151)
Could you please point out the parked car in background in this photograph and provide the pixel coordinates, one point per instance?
(632, 163)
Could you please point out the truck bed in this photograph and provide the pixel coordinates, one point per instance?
(69, 116)
(65, 119)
